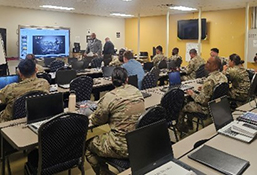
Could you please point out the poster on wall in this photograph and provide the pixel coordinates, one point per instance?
(190, 46)
(117, 34)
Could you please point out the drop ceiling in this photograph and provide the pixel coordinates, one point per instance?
(144, 7)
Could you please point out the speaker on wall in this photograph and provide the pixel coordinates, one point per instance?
(3, 33)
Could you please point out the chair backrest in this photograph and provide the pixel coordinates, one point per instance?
(82, 86)
(156, 71)
(171, 64)
(162, 64)
(132, 80)
(220, 90)
(19, 108)
(44, 75)
(61, 143)
(179, 62)
(96, 62)
(201, 72)
(65, 76)
(78, 65)
(250, 73)
(55, 65)
(173, 102)
(148, 66)
(152, 115)
(149, 81)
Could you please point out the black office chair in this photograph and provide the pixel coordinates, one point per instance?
(65, 76)
(148, 66)
(71, 60)
(156, 71)
(82, 86)
(201, 72)
(149, 81)
(179, 62)
(173, 102)
(78, 65)
(44, 75)
(171, 65)
(250, 73)
(162, 64)
(61, 145)
(96, 62)
(132, 80)
(55, 65)
(48, 61)
(19, 108)
(152, 115)
(218, 91)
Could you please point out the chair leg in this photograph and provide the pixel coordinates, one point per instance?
(175, 133)
(9, 166)
(69, 172)
(82, 169)
(198, 122)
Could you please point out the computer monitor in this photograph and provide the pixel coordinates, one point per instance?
(43, 106)
(174, 78)
(5, 80)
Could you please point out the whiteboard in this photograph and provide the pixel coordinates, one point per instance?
(190, 46)
(2, 52)
(252, 44)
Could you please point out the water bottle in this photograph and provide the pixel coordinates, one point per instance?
(72, 102)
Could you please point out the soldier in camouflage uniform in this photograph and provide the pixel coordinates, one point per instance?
(27, 72)
(33, 58)
(158, 57)
(239, 78)
(118, 61)
(121, 109)
(200, 101)
(175, 57)
(194, 64)
(215, 53)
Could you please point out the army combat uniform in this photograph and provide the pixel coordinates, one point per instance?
(115, 62)
(200, 103)
(157, 58)
(240, 83)
(192, 67)
(175, 58)
(39, 68)
(11, 92)
(121, 109)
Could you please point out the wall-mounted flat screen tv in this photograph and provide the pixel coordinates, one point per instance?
(188, 29)
(44, 42)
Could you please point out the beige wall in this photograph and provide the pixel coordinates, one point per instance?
(10, 18)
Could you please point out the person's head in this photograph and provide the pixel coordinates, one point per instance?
(93, 36)
(255, 58)
(119, 77)
(128, 55)
(121, 52)
(193, 53)
(214, 52)
(234, 60)
(107, 39)
(159, 49)
(31, 57)
(27, 69)
(175, 51)
(213, 64)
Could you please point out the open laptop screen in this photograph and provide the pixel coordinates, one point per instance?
(174, 78)
(149, 147)
(220, 112)
(107, 71)
(43, 107)
(4, 81)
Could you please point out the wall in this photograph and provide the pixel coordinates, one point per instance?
(10, 18)
(225, 31)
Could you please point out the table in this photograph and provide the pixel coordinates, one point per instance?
(93, 73)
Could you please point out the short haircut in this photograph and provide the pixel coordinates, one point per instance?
(27, 68)
(217, 62)
(235, 58)
(193, 51)
(255, 58)
(159, 48)
(128, 54)
(31, 56)
(119, 76)
(175, 51)
(216, 50)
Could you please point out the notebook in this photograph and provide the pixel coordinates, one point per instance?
(41, 108)
(223, 119)
(6, 80)
(220, 161)
(150, 151)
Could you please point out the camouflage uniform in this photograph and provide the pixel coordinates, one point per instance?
(115, 62)
(157, 58)
(121, 109)
(175, 58)
(240, 83)
(39, 68)
(11, 92)
(192, 67)
(200, 103)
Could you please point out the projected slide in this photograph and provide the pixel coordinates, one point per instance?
(44, 42)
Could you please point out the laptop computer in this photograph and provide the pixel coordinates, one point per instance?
(150, 151)
(41, 108)
(223, 119)
(107, 71)
(6, 80)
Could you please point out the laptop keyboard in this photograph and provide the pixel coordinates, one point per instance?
(230, 132)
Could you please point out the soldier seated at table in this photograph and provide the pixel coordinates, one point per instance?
(33, 58)
(120, 108)
(200, 101)
(239, 78)
(158, 57)
(194, 64)
(27, 72)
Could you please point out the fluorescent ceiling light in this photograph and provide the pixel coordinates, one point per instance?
(127, 0)
(182, 8)
(57, 7)
(121, 15)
